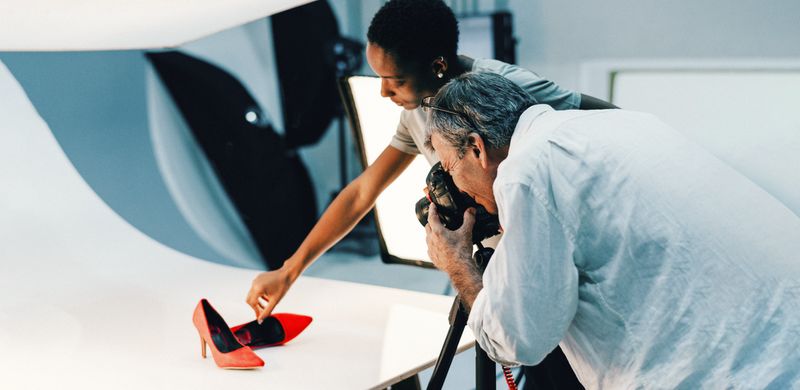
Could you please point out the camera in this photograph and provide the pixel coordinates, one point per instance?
(451, 204)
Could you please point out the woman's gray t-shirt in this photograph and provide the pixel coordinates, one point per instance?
(411, 131)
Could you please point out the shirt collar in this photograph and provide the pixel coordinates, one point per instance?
(525, 123)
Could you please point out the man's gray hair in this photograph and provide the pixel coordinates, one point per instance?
(490, 105)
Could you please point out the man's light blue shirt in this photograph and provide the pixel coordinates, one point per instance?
(654, 264)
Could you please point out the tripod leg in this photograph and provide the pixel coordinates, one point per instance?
(410, 383)
(457, 324)
(485, 370)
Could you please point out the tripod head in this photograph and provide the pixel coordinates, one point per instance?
(482, 256)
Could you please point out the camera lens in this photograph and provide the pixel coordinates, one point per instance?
(421, 209)
(451, 204)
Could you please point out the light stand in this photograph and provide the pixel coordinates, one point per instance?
(346, 55)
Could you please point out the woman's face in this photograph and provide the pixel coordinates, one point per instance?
(400, 86)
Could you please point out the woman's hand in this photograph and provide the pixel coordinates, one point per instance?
(267, 290)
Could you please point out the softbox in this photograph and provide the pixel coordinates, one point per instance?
(266, 181)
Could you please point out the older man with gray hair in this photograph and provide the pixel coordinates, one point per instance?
(651, 262)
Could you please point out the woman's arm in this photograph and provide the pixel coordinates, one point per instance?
(339, 219)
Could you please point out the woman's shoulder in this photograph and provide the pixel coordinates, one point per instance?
(495, 66)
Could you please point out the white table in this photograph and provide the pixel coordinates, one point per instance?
(88, 301)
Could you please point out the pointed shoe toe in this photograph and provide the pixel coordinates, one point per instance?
(293, 324)
(240, 359)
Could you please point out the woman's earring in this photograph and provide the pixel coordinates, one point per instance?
(440, 75)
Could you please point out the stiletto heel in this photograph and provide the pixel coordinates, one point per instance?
(277, 329)
(225, 348)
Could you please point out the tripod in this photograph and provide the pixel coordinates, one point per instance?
(484, 367)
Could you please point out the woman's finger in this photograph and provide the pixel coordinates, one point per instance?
(267, 310)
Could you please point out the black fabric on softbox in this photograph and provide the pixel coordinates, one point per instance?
(304, 37)
(266, 181)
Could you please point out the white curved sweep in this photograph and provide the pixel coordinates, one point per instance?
(78, 25)
(89, 302)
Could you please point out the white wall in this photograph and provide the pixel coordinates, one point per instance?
(556, 36)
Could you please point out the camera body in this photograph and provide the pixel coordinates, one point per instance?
(451, 204)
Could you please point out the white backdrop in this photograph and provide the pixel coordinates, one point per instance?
(88, 301)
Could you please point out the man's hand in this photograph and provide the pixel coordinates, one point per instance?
(451, 252)
(447, 248)
(267, 290)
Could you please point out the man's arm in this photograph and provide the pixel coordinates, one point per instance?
(466, 280)
(530, 292)
(451, 252)
(593, 103)
(524, 302)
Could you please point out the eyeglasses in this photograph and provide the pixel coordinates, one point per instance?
(427, 106)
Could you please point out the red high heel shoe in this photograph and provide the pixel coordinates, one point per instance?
(277, 329)
(225, 348)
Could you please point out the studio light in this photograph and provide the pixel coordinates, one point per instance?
(374, 120)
